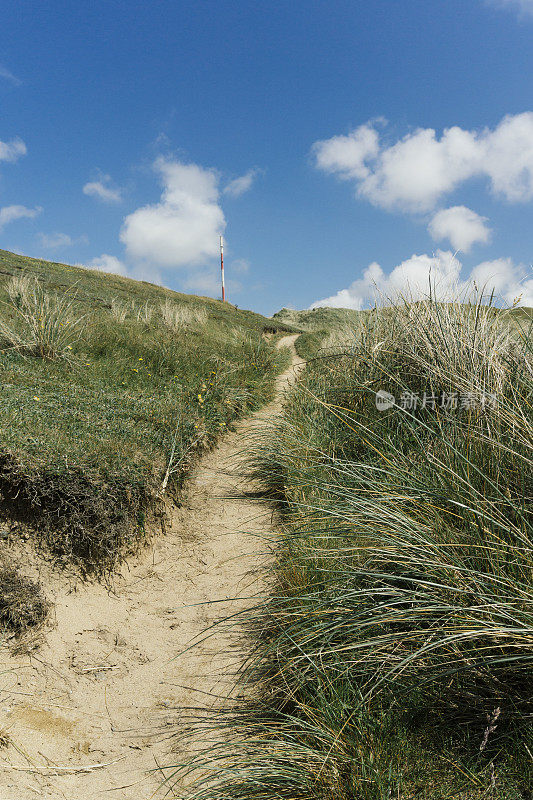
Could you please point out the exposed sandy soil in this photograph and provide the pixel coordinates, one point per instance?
(98, 706)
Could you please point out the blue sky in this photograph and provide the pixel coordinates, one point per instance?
(338, 145)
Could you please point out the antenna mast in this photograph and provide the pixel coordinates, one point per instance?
(222, 268)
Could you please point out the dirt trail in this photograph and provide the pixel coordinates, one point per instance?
(105, 692)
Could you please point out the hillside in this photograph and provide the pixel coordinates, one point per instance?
(322, 327)
(111, 387)
(317, 318)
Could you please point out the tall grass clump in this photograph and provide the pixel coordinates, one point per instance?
(144, 313)
(38, 322)
(176, 317)
(394, 656)
(119, 309)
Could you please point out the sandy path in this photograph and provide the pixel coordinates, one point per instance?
(108, 686)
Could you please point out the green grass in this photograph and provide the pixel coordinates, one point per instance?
(393, 657)
(321, 328)
(89, 424)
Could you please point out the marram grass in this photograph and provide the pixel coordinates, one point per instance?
(394, 655)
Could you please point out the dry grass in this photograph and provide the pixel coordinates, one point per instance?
(119, 310)
(177, 317)
(22, 606)
(144, 313)
(39, 323)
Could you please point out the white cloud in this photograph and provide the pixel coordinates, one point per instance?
(11, 213)
(347, 155)
(55, 241)
(508, 280)
(413, 173)
(207, 281)
(179, 232)
(107, 263)
(8, 76)
(412, 279)
(183, 229)
(104, 190)
(461, 226)
(239, 186)
(11, 151)
(113, 265)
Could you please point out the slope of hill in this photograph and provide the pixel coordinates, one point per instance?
(318, 325)
(316, 318)
(110, 389)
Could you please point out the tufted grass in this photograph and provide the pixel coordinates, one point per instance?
(393, 657)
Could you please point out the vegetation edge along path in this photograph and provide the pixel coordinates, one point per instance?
(99, 706)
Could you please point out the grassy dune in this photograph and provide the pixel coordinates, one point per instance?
(111, 387)
(394, 656)
(321, 327)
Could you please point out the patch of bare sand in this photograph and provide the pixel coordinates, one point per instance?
(95, 709)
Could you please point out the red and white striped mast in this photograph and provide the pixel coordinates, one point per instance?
(222, 268)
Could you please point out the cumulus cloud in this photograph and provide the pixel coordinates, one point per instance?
(203, 282)
(239, 186)
(113, 265)
(461, 226)
(208, 283)
(13, 150)
(107, 263)
(103, 190)
(509, 281)
(347, 155)
(11, 213)
(412, 278)
(55, 241)
(415, 172)
(181, 230)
